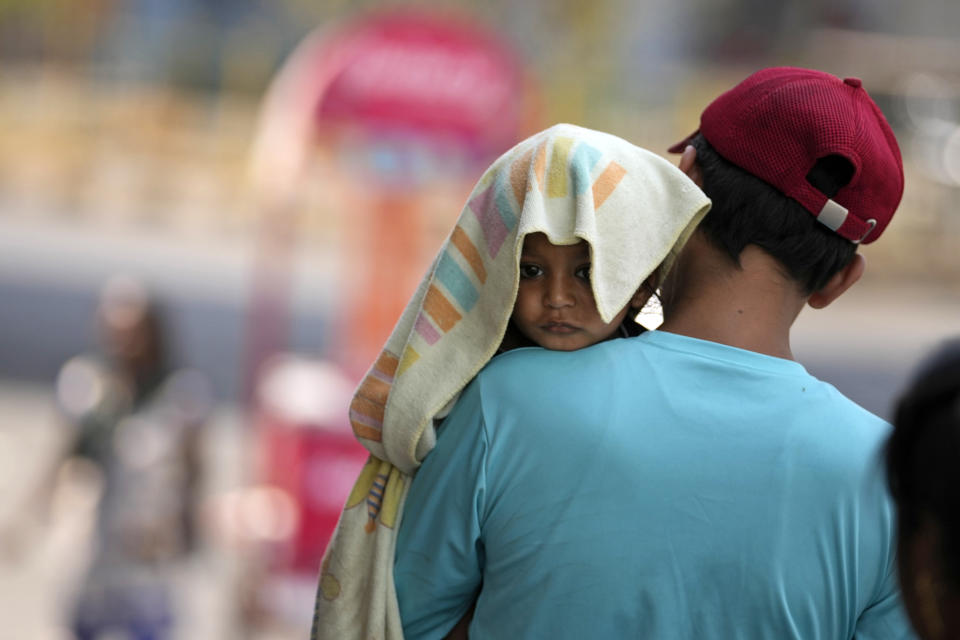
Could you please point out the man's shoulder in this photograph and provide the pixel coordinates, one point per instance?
(531, 365)
(528, 377)
(831, 402)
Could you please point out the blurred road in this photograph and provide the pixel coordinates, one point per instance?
(47, 532)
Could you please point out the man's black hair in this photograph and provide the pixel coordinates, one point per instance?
(746, 210)
(923, 454)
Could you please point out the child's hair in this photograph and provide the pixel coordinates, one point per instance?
(923, 454)
(747, 210)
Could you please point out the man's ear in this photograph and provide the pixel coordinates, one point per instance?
(840, 282)
(688, 164)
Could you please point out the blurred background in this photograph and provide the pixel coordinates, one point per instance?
(212, 212)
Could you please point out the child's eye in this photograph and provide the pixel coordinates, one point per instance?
(528, 270)
(583, 272)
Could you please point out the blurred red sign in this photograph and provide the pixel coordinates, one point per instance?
(436, 76)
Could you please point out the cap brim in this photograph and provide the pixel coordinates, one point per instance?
(680, 146)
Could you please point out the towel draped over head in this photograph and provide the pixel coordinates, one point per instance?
(633, 208)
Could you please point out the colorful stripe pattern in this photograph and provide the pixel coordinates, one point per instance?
(370, 400)
(606, 182)
(379, 487)
(462, 269)
(571, 167)
(375, 498)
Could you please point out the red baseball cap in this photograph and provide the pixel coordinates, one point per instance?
(778, 122)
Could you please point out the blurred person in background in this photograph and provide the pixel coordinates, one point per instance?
(923, 465)
(138, 422)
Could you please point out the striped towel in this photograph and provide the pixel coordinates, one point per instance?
(634, 209)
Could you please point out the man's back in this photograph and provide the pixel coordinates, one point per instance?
(659, 487)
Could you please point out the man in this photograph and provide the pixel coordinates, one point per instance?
(694, 482)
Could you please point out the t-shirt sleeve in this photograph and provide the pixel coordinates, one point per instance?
(439, 555)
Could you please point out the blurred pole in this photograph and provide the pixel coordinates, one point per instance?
(387, 281)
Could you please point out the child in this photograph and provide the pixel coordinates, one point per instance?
(561, 235)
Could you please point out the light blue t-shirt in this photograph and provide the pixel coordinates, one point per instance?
(654, 487)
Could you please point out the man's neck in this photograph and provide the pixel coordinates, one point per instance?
(750, 308)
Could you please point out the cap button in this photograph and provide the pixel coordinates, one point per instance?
(853, 82)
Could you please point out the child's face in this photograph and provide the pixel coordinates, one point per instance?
(555, 306)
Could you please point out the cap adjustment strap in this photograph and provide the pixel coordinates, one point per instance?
(833, 215)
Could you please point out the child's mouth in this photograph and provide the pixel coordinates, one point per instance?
(558, 327)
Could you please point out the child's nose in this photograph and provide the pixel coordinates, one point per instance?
(558, 294)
